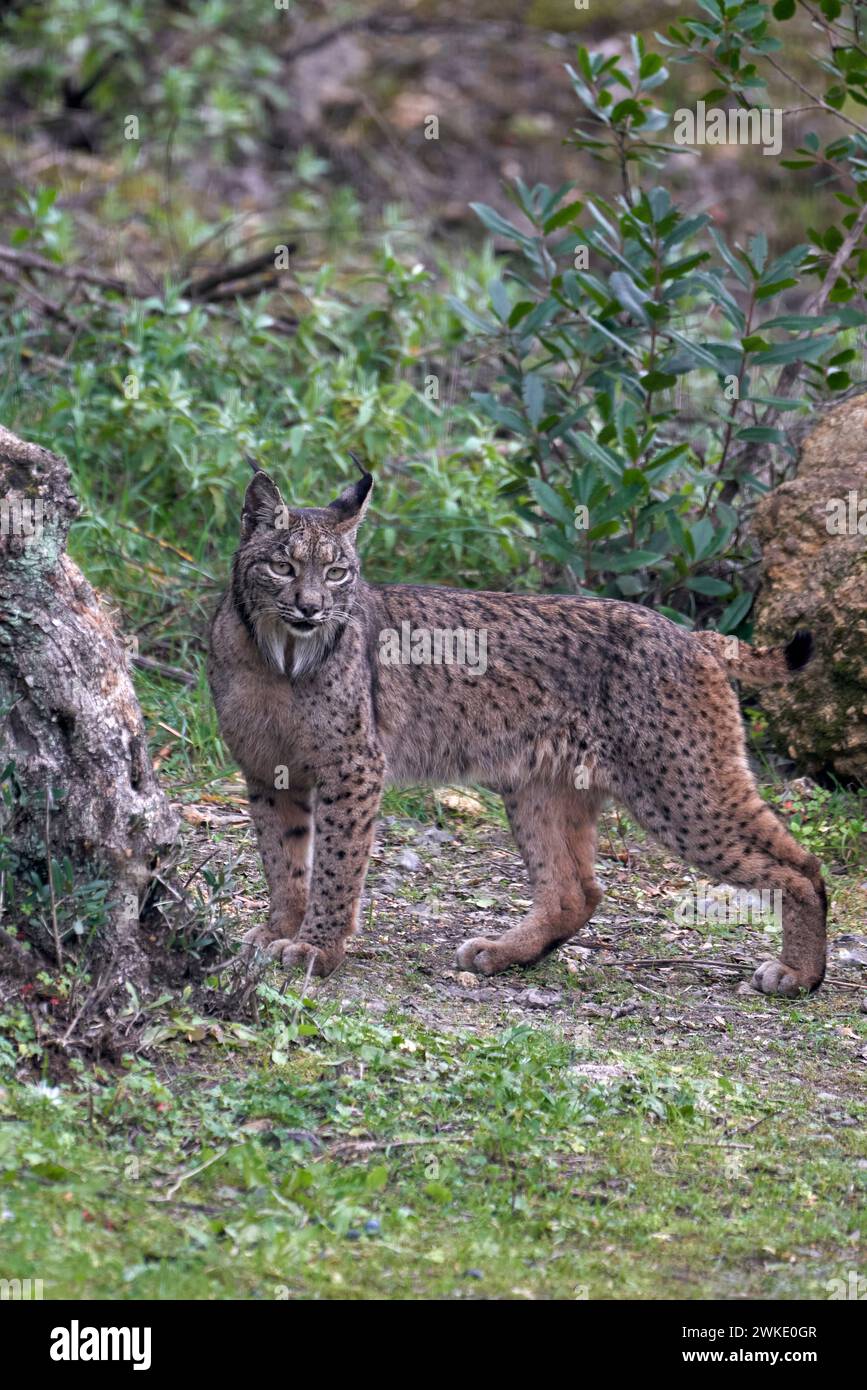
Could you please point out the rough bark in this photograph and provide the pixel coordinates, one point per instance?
(78, 787)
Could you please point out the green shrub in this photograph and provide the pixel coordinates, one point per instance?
(611, 313)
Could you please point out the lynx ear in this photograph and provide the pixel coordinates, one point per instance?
(351, 505)
(261, 503)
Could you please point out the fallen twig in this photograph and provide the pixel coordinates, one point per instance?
(47, 306)
(696, 962)
(161, 668)
(223, 275)
(55, 929)
(216, 285)
(28, 260)
(191, 1172)
(642, 962)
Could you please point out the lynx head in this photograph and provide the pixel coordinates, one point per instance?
(296, 571)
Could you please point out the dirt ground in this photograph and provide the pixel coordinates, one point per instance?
(675, 987)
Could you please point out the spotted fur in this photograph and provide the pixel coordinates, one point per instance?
(642, 706)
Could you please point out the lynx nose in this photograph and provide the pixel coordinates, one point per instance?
(308, 608)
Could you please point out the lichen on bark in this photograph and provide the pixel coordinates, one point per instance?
(78, 789)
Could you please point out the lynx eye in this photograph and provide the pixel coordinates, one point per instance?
(336, 573)
(281, 567)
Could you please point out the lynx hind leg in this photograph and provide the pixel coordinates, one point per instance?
(284, 829)
(702, 802)
(754, 851)
(555, 830)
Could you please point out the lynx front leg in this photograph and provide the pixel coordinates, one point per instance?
(284, 829)
(555, 830)
(347, 801)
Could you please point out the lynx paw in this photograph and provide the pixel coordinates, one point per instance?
(482, 955)
(773, 977)
(301, 955)
(261, 937)
(258, 938)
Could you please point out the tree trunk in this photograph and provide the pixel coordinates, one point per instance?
(78, 789)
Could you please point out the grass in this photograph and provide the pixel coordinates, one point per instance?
(335, 1156)
(654, 1136)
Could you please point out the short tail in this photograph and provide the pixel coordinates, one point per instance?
(757, 666)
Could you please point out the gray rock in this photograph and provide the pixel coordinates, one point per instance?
(814, 566)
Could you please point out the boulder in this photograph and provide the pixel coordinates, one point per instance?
(813, 533)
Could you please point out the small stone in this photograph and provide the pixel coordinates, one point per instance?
(459, 802)
(408, 859)
(538, 998)
(623, 1010)
(598, 1072)
(432, 835)
(468, 980)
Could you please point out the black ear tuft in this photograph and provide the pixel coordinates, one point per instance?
(799, 650)
(351, 505)
(262, 504)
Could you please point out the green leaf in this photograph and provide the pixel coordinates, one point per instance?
(629, 585)
(801, 349)
(565, 215)
(767, 291)
(590, 449)
(503, 414)
(732, 616)
(500, 300)
(470, 316)
(797, 323)
(438, 1192)
(551, 502)
(706, 584)
(498, 225)
(632, 560)
(539, 317)
(760, 434)
(533, 393)
(658, 381)
(778, 402)
(759, 251)
(699, 352)
(628, 109)
(681, 618)
(736, 266)
(702, 536)
(628, 294)
(650, 64)
(520, 311)
(376, 1178)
